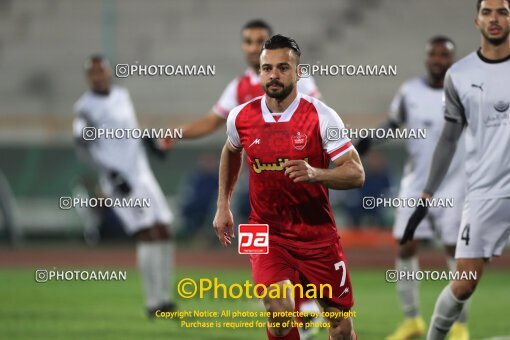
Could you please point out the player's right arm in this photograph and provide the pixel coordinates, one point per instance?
(196, 129)
(397, 118)
(443, 153)
(203, 126)
(230, 166)
(212, 121)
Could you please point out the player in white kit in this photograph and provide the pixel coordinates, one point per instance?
(477, 101)
(418, 105)
(124, 172)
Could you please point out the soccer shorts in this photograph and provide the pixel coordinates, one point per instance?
(485, 228)
(324, 265)
(442, 223)
(135, 219)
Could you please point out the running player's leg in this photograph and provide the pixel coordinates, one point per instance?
(276, 268)
(279, 323)
(408, 290)
(166, 242)
(150, 228)
(484, 232)
(155, 260)
(452, 299)
(447, 222)
(327, 267)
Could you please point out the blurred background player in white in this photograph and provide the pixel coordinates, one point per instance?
(477, 101)
(124, 171)
(243, 88)
(418, 105)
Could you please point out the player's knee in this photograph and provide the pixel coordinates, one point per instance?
(280, 311)
(163, 232)
(158, 232)
(407, 250)
(142, 236)
(463, 289)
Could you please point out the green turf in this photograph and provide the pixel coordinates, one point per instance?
(113, 310)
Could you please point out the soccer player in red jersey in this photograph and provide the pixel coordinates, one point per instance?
(289, 140)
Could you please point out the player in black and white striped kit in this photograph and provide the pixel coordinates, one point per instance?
(124, 172)
(477, 101)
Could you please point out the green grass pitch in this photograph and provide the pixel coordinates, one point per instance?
(114, 310)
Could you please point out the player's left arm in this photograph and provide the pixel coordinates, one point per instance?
(443, 153)
(348, 172)
(83, 153)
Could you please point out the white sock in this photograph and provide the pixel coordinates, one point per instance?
(309, 306)
(463, 315)
(407, 290)
(452, 265)
(446, 312)
(147, 254)
(167, 262)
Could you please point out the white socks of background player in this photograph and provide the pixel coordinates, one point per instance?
(155, 262)
(167, 266)
(447, 310)
(463, 315)
(309, 306)
(407, 290)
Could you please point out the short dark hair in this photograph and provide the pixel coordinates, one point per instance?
(442, 39)
(479, 4)
(258, 23)
(96, 58)
(280, 41)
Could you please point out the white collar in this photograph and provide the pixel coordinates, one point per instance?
(254, 77)
(285, 116)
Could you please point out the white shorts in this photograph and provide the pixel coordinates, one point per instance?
(485, 228)
(135, 219)
(442, 223)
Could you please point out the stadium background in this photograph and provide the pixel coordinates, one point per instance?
(42, 47)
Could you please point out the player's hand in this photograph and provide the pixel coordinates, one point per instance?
(224, 226)
(166, 143)
(414, 221)
(155, 147)
(300, 171)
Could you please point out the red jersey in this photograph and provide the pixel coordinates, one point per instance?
(298, 214)
(247, 86)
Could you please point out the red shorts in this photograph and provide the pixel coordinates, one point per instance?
(324, 265)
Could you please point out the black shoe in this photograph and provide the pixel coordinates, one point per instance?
(166, 307)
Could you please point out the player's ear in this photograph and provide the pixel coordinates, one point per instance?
(299, 71)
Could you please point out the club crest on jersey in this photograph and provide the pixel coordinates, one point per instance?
(501, 106)
(299, 141)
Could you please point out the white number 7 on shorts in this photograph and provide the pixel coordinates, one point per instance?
(339, 265)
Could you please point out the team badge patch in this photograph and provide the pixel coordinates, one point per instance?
(299, 141)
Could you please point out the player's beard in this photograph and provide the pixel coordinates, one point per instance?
(280, 95)
(496, 41)
(437, 75)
